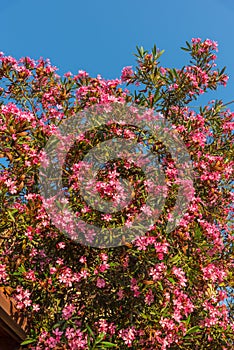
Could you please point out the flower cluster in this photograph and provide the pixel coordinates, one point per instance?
(3, 273)
(159, 290)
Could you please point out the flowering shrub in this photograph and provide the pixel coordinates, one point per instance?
(163, 290)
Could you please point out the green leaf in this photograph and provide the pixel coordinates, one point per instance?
(159, 54)
(140, 51)
(175, 259)
(89, 330)
(28, 341)
(171, 280)
(188, 44)
(11, 216)
(197, 233)
(21, 269)
(108, 344)
(185, 49)
(99, 338)
(223, 70)
(188, 320)
(144, 316)
(154, 50)
(160, 285)
(193, 330)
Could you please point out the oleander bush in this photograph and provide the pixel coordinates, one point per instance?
(161, 290)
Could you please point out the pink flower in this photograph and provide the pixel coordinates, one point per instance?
(103, 256)
(82, 259)
(82, 74)
(102, 326)
(61, 245)
(213, 273)
(100, 283)
(128, 335)
(106, 217)
(127, 73)
(53, 270)
(3, 274)
(29, 233)
(179, 273)
(134, 287)
(149, 298)
(22, 298)
(59, 261)
(11, 185)
(173, 87)
(146, 210)
(30, 275)
(66, 277)
(157, 272)
(143, 241)
(196, 40)
(51, 342)
(68, 311)
(68, 74)
(44, 159)
(57, 334)
(120, 294)
(162, 70)
(84, 273)
(103, 267)
(70, 333)
(36, 307)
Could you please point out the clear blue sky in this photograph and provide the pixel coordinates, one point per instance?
(100, 36)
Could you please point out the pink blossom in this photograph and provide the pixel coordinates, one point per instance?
(30, 275)
(179, 273)
(149, 298)
(100, 282)
(106, 217)
(68, 311)
(36, 307)
(22, 298)
(82, 259)
(127, 73)
(213, 273)
(134, 287)
(128, 335)
(120, 294)
(157, 272)
(61, 245)
(3, 273)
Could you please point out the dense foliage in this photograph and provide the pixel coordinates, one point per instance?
(164, 290)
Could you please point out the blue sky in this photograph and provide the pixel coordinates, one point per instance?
(100, 36)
